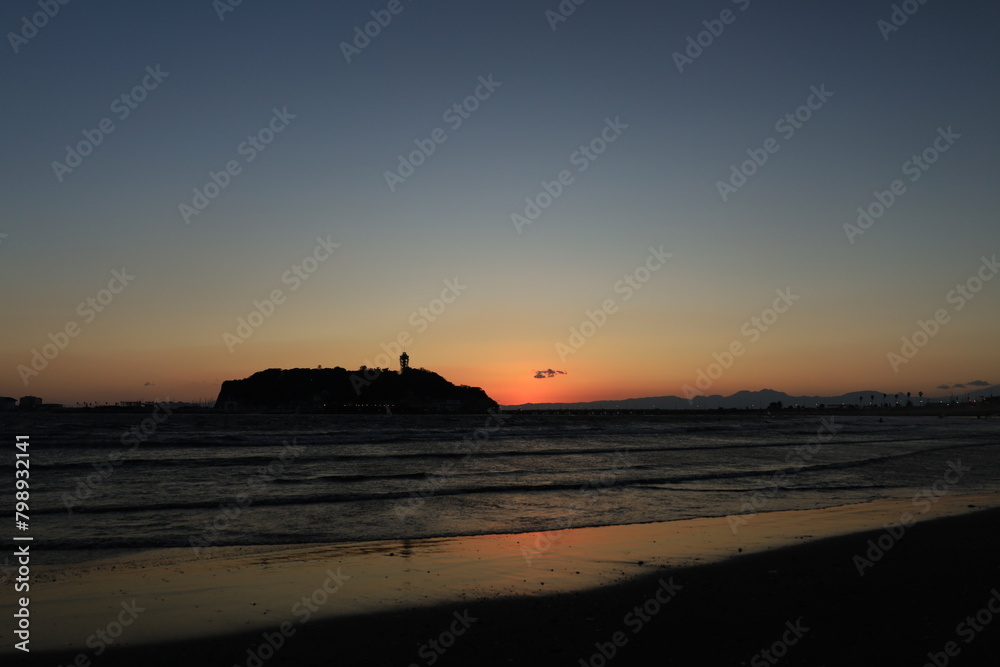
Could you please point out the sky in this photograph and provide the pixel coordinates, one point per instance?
(643, 198)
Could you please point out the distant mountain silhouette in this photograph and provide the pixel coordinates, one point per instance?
(341, 390)
(750, 399)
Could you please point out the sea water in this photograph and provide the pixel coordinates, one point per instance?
(100, 483)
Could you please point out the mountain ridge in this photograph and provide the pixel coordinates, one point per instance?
(749, 399)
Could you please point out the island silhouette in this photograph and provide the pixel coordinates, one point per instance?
(410, 390)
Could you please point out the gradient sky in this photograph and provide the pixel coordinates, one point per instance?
(656, 185)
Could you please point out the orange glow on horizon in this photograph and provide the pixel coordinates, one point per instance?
(597, 372)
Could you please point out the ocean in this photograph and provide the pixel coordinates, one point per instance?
(102, 484)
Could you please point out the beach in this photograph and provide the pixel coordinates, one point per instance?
(818, 586)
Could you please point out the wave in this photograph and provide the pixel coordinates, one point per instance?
(381, 436)
(437, 485)
(258, 459)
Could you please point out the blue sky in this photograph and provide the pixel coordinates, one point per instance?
(657, 184)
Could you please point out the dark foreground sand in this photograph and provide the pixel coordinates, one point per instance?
(912, 602)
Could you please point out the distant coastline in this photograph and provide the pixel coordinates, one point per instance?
(378, 390)
(867, 401)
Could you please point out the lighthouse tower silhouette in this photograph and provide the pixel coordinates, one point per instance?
(404, 362)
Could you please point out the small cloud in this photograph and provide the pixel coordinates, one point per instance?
(548, 373)
(979, 383)
(149, 384)
(958, 386)
(943, 386)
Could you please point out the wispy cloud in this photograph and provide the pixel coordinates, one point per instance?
(548, 373)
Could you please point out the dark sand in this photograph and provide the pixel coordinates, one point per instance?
(906, 605)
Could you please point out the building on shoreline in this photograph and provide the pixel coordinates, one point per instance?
(29, 402)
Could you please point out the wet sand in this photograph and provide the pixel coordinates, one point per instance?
(555, 598)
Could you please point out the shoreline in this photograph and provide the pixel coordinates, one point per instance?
(76, 558)
(235, 590)
(725, 613)
(83, 558)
